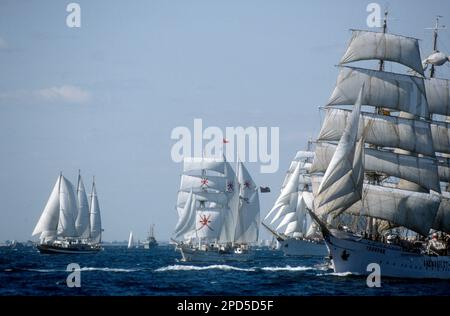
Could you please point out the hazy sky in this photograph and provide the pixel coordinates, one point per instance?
(105, 97)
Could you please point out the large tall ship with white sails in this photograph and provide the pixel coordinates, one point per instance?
(289, 220)
(68, 223)
(380, 176)
(218, 210)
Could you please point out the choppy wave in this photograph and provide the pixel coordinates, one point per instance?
(339, 274)
(178, 267)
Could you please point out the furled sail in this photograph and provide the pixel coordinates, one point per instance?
(216, 197)
(82, 223)
(394, 91)
(342, 182)
(420, 170)
(366, 45)
(48, 222)
(438, 96)
(95, 218)
(385, 131)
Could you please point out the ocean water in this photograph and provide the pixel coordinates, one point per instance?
(158, 271)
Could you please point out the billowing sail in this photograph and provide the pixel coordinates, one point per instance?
(442, 219)
(186, 222)
(230, 216)
(202, 183)
(420, 170)
(247, 226)
(385, 131)
(341, 185)
(194, 164)
(68, 209)
(366, 45)
(209, 223)
(48, 222)
(394, 91)
(440, 132)
(216, 197)
(413, 210)
(83, 221)
(95, 218)
(438, 96)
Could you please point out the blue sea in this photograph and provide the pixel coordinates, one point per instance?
(158, 271)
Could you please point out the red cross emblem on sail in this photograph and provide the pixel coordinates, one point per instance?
(204, 221)
(204, 181)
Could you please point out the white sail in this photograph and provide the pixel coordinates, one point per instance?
(198, 163)
(95, 218)
(442, 219)
(438, 96)
(216, 197)
(68, 209)
(82, 223)
(420, 170)
(394, 91)
(341, 184)
(230, 216)
(303, 156)
(366, 45)
(48, 222)
(202, 183)
(130, 240)
(385, 131)
(413, 210)
(187, 221)
(209, 223)
(284, 199)
(247, 226)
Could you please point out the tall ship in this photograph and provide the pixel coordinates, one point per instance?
(219, 213)
(380, 177)
(150, 241)
(289, 220)
(68, 223)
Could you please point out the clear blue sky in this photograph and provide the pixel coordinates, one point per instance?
(104, 98)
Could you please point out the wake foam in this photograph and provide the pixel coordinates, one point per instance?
(224, 267)
(288, 268)
(84, 269)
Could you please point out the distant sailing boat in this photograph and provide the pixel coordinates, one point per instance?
(385, 203)
(296, 231)
(150, 242)
(131, 241)
(68, 224)
(218, 211)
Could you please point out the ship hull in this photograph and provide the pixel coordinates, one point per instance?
(52, 249)
(197, 255)
(303, 247)
(353, 254)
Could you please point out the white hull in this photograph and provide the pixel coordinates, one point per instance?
(193, 254)
(353, 254)
(303, 247)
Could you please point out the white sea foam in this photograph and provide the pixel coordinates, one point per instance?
(339, 274)
(178, 267)
(288, 268)
(85, 269)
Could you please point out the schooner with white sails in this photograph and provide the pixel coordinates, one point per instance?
(289, 220)
(69, 223)
(218, 211)
(380, 176)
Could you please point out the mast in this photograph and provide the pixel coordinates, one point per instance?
(435, 29)
(381, 64)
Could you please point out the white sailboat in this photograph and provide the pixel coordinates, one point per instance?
(289, 220)
(218, 211)
(131, 243)
(367, 196)
(65, 225)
